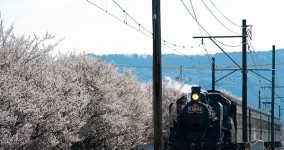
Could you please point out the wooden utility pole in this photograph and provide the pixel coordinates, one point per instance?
(272, 98)
(157, 76)
(244, 81)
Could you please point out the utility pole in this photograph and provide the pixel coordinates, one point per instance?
(157, 76)
(280, 112)
(244, 81)
(272, 97)
(180, 77)
(213, 73)
(259, 101)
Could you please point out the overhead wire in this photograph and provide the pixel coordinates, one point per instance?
(278, 91)
(253, 60)
(124, 11)
(204, 28)
(224, 15)
(252, 51)
(223, 26)
(228, 44)
(254, 56)
(135, 28)
(202, 42)
(149, 34)
(165, 44)
(194, 17)
(218, 19)
(145, 31)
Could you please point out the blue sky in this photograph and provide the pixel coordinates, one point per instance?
(86, 28)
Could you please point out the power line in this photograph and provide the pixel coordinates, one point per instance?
(200, 67)
(135, 28)
(145, 31)
(224, 15)
(149, 34)
(124, 11)
(218, 19)
(195, 19)
(209, 60)
(174, 49)
(252, 51)
(251, 54)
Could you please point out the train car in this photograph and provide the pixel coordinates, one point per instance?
(259, 123)
(212, 120)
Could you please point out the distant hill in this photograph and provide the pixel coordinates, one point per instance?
(200, 72)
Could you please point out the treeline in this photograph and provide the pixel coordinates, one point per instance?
(70, 102)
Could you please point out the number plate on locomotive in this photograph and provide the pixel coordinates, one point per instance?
(194, 109)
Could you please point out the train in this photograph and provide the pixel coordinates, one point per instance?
(212, 120)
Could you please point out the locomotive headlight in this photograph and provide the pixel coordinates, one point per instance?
(195, 93)
(195, 96)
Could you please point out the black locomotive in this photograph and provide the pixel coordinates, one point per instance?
(212, 120)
